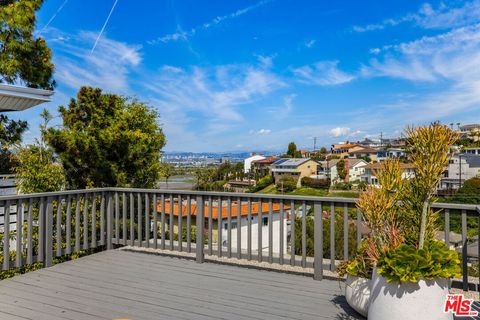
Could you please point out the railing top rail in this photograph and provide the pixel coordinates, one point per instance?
(437, 205)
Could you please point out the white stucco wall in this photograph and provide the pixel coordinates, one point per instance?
(265, 234)
(247, 163)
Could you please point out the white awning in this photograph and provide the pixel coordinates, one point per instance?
(16, 98)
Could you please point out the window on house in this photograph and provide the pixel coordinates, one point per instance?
(265, 221)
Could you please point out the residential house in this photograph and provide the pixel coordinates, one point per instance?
(390, 153)
(296, 167)
(473, 150)
(342, 150)
(460, 168)
(354, 170)
(304, 153)
(369, 175)
(371, 143)
(261, 168)
(363, 152)
(219, 211)
(247, 163)
(471, 131)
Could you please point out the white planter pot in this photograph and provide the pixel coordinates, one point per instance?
(408, 301)
(357, 294)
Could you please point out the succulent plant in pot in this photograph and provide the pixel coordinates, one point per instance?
(358, 273)
(411, 274)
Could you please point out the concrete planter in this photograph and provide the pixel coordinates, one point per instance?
(408, 301)
(357, 293)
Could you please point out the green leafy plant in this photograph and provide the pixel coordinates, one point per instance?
(361, 266)
(406, 263)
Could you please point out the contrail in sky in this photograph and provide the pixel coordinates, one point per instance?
(54, 16)
(104, 25)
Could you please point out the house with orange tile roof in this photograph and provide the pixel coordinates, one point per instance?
(261, 168)
(241, 214)
(343, 149)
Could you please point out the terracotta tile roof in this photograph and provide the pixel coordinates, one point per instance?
(269, 160)
(345, 145)
(224, 209)
(365, 150)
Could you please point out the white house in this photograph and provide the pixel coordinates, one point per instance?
(220, 214)
(355, 169)
(460, 168)
(247, 163)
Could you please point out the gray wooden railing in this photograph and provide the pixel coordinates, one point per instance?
(276, 229)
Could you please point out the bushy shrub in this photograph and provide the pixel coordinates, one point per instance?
(286, 184)
(315, 183)
(262, 183)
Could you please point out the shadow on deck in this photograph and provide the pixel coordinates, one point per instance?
(119, 284)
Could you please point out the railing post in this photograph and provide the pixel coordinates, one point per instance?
(199, 227)
(48, 233)
(318, 241)
(109, 221)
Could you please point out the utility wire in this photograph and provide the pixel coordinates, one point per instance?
(54, 16)
(104, 25)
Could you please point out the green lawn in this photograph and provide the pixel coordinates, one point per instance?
(303, 191)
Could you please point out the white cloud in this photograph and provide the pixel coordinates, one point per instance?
(446, 63)
(322, 73)
(204, 103)
(108, 67)
(340, 132)
(184, 35)
(263, 132)
(442, 17)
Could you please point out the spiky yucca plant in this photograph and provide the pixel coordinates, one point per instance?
(429, 149)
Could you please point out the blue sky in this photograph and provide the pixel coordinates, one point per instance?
(249, 74)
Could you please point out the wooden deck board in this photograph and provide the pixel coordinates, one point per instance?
(121, 284)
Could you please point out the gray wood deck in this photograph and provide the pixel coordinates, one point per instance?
(128, 285)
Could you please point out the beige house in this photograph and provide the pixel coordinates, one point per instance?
(297, 168)
(471, 131)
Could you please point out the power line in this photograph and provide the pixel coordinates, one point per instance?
(104, 26)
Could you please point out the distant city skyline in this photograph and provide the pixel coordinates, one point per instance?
(256, 74)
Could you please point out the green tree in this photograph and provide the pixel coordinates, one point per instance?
(23, 57)
(108, 140)
(167, 171)
(342, 169)
(292, 151)
(469, 192)
(286, 183)
(37, 169)
(10, 136)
